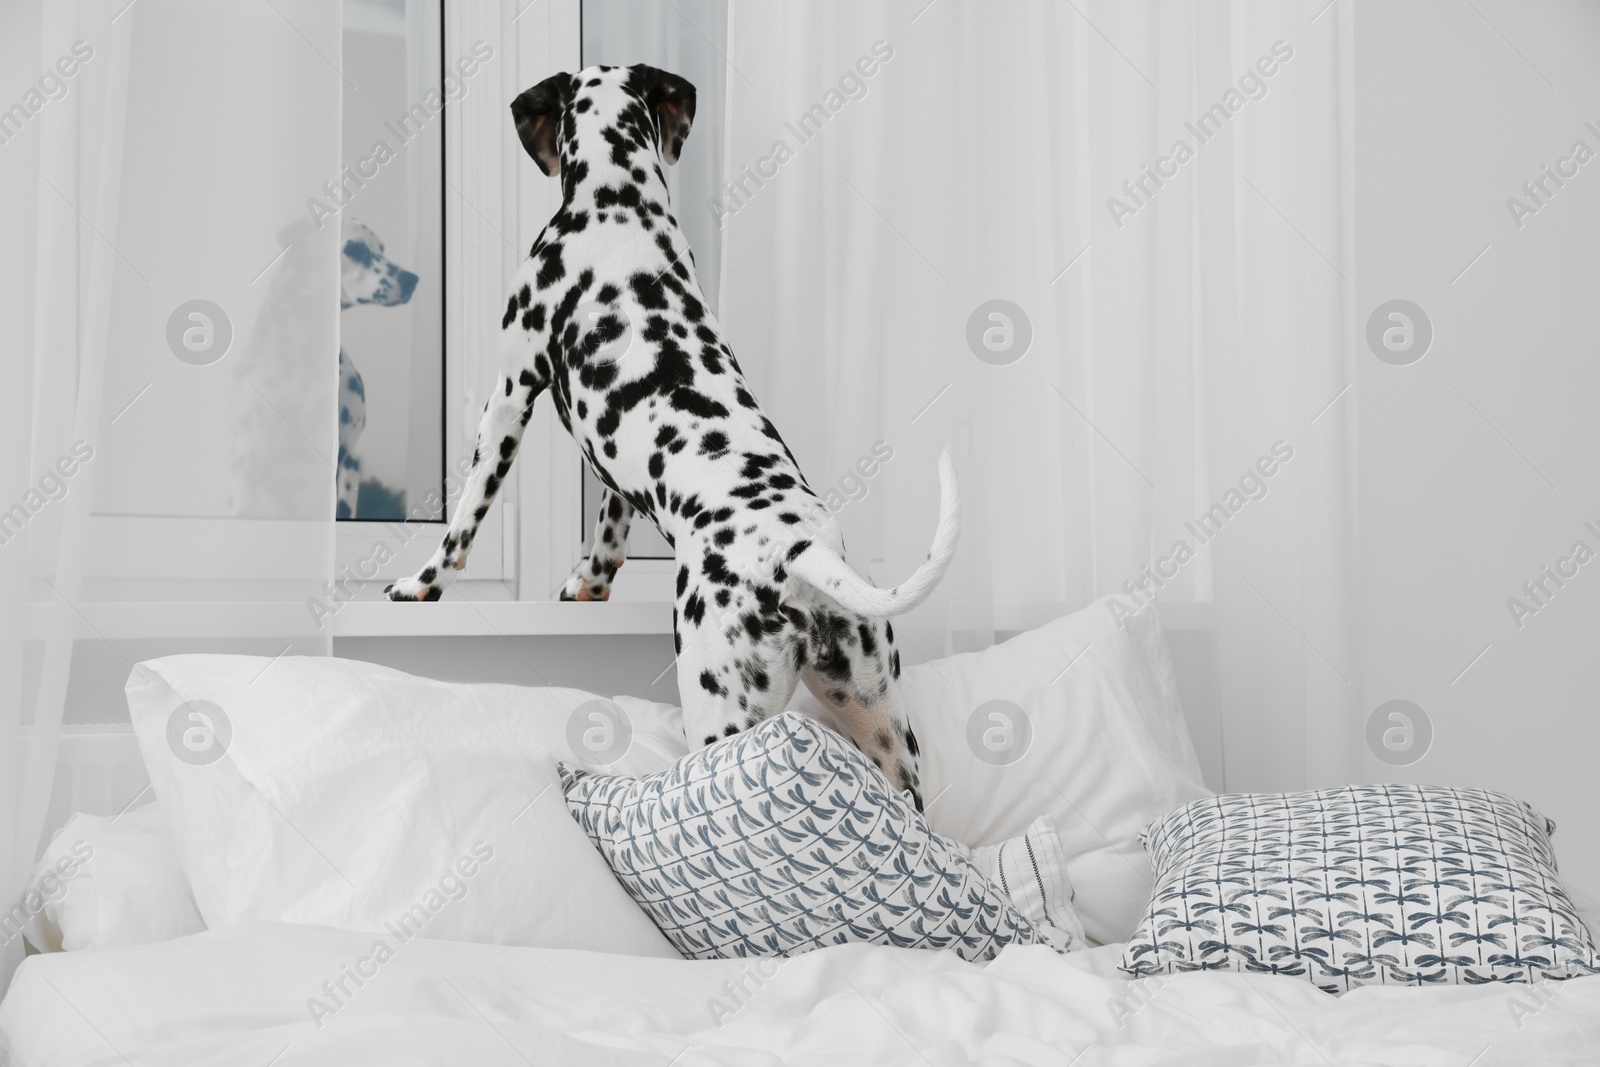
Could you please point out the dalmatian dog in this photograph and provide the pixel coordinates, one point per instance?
(764, 597)
(366, 276)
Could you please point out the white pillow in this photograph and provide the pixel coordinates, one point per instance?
(1094, 735)
(329, 791)
(106, 882)
(1031, 870)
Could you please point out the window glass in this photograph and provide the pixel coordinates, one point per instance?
(390, 206)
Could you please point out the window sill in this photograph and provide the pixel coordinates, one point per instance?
(453, 617)
(526, 618)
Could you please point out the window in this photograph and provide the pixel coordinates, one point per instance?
(458, 206)
(392, 335)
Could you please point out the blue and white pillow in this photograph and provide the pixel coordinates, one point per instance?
(1366, 885)
(785, 839)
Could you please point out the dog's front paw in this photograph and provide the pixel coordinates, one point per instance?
(583, 584)
(420, 588)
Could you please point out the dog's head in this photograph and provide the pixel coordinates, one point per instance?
(604, 115)
(366, 275)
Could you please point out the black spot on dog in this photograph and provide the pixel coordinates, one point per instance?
(869, 643)
(694, 608)
(714, 443)
(551, 267)
(715, 568)
(697, 404)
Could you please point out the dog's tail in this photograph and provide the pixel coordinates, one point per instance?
(819, 565)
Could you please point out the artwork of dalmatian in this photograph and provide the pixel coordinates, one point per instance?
(366, 276)
(672, 430)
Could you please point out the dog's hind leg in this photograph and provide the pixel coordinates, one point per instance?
(854, 669)
(591, 579)
(499, 435)
(728, 678)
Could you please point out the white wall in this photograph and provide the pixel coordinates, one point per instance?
(1477, 462)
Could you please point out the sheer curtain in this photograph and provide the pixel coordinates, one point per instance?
(898, 167)
(171, 349)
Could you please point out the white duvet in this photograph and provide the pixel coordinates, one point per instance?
(240, 996)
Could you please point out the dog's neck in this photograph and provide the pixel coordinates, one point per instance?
(585, 195)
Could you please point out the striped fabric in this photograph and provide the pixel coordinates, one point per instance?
(785, 839)
(1032, 871)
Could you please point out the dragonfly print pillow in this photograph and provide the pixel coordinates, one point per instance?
(1375, 884)
(784, 839)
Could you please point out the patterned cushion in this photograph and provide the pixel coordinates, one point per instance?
(785, 839)
(1376, 884)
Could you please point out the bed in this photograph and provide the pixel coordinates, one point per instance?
(239, 995)
(350, 865)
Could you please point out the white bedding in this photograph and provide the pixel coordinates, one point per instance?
(239, 996)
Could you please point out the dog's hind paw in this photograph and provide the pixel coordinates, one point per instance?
(415, 589)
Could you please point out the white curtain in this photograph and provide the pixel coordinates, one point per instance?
(904, 163)
(171, 340)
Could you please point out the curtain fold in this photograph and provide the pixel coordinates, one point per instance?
(1188, 312)
(172, 315)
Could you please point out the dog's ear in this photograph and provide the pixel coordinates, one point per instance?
(671, 103)
(537, 114)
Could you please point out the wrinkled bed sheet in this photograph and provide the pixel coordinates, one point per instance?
(240, 996)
